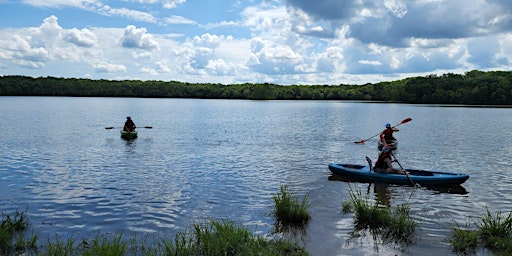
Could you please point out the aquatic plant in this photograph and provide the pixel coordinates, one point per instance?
(210, 238)
(391, 225)
(492, 231)
(11, 233)
(226, 238)
(288, 209)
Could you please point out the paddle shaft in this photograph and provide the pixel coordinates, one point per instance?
(396, 160)
(147, 127)
(403, 122)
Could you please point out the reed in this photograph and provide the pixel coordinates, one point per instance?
(211, 238)
(105, 245)
(389, 224)
(463, 239)
(288, 209)
(225, 238)
(493, 232)
(12, 234)
(59, 247)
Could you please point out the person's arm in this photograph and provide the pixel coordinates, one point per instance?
(381, 136)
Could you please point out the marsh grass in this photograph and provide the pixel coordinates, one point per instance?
(105, 245)
(12, 233)
(289, 210)
(211, 238)
(463, 239)
(493, 232)
(391, 225)
(226, 238)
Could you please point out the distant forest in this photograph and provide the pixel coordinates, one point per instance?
(473, 88)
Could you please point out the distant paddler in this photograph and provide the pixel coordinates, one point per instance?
(129, 125)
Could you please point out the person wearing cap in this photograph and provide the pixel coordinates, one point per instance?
(384, 163)
(387, 135)
(129, 125)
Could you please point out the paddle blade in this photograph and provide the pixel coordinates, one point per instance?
(359, 142)
(148, 127)
(406, 120)
(108, 128)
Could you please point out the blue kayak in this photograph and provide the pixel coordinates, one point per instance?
(363, 173)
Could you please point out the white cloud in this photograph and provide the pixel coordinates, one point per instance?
(105, 67)
(138, 38)
(219, 67)
(175, 19)
(127, 13)
(397, 7)
(149, 71)
(82, 38)
(370, 62)
(207, 40)
(168, 4)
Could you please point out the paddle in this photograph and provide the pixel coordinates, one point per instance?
(403, 122)
(412, 182)
(147, 127)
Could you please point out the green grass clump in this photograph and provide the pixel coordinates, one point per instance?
(11, 233)
(105, 245)
(225, 238)
(212, 238)
(288, 209)
(493, 232)
(390, 224)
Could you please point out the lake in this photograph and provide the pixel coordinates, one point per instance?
(225, 159)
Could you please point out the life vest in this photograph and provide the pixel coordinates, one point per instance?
(388, 134)
(380, 163)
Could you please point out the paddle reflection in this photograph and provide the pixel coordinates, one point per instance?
(449, 189)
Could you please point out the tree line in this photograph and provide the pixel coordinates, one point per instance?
(472, 88)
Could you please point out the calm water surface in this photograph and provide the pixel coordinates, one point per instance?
(225, 159)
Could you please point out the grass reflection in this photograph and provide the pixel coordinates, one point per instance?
(385, 223)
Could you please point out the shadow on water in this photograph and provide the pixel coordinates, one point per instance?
(381, 188)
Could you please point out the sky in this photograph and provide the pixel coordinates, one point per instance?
(284, 42)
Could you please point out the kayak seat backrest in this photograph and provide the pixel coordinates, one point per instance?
(369, 163)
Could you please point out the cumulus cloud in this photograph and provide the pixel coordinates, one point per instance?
(207, 40)
(82, 38)
(219, 67)
(274, 59)
(23, 54)
(30, 48)
(138, 38)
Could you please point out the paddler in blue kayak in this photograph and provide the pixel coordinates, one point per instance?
(384, 163)
(129, 125)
